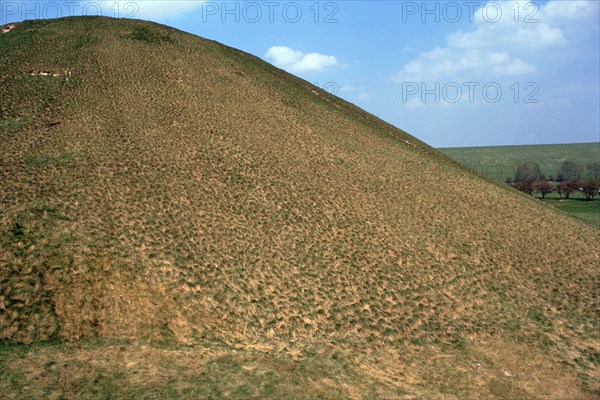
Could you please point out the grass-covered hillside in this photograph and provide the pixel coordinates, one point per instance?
(181, 219)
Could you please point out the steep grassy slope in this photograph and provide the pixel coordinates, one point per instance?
(168, 189)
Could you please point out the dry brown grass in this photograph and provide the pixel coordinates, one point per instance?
(200, 194)
(482, 370)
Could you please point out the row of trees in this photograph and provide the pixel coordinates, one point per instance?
(571, 177)
(589, 187)
(568, 171)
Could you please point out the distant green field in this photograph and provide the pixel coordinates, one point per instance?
(499, 162)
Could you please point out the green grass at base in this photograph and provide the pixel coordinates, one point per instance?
(581, 208)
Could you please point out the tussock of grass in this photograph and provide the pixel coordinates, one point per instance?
(63, 158)
(200, 195)
(14, 124)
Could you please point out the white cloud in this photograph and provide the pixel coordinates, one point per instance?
(150, 9)
(534, 36)
(571, 10)
(521, 24)
(462, 64)
(500, 47)
(298, 62)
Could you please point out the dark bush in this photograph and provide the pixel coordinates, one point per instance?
(543, 188)
(590, 188)
(524, 186)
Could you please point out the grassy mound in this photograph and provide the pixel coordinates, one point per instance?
(165, 190)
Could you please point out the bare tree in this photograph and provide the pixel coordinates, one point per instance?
(569, 171)
(528, 171)
(593, 170)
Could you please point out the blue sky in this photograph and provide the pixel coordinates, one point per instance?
(452, 73)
